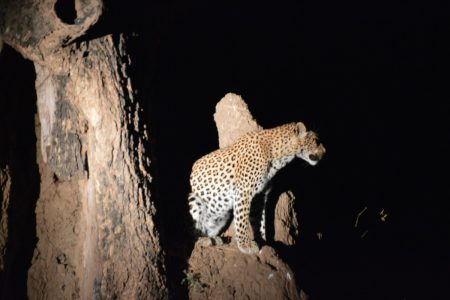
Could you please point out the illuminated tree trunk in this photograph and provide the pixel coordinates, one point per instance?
(95, 216)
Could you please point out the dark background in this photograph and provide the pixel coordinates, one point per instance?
(371, 78)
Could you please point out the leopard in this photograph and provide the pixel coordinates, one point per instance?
(224, 182)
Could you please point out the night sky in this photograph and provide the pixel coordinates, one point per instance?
(371, 79)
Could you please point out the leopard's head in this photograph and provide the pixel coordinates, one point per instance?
(310, 150)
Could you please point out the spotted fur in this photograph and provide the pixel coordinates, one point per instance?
(227, 179)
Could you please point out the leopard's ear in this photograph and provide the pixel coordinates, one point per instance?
(301, 129)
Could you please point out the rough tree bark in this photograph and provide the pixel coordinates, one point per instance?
(95, 216)
(5, 187)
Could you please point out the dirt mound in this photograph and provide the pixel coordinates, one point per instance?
(233, 119)
(222, 272)
(286, 220)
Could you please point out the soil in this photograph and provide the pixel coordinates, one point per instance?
(223, 272)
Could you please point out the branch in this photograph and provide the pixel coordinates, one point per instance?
(359, 214)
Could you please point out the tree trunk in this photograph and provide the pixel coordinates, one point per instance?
(5, 188)
(95, 215)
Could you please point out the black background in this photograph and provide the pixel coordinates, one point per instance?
(371, 78)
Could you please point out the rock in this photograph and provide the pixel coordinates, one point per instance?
(5, 188)
(286, 221)
(222, 272)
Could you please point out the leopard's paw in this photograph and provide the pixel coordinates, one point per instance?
(248, 248)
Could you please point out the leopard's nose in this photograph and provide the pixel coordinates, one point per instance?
(313, 157)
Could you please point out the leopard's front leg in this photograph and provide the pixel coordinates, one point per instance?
(242, 224)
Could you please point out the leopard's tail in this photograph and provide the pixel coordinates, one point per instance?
(197, 209)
